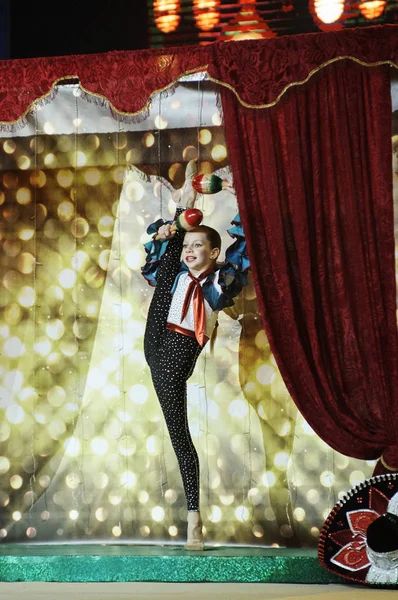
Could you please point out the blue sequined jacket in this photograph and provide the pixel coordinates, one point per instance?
(232, 272)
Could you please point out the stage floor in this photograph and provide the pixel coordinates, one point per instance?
(92, 563)
(191, 591)
(155, 572)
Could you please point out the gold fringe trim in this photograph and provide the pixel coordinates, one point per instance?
(303, 81)
(213, 79)
(383, 462)
(40, 98)
(116, 110)
(151, 95)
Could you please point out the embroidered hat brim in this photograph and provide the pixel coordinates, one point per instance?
(343, 547)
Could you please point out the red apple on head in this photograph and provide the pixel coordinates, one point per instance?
(190, 218)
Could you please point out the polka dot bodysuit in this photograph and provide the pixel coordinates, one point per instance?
(170, 354)
(171, 357)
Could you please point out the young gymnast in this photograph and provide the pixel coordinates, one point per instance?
(190, 289)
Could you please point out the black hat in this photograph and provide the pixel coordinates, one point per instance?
(359, 540)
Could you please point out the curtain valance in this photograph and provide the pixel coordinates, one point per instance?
(129, 79)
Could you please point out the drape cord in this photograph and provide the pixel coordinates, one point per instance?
(202, 372)
(74, 433)
(163, 481)
(249, 450)
(159, 136)
(200, 124)
(330, 454)
(79, 394)
(206, 429)
(200, 118)
(121, 328)
(290, 469)
(32, 479)
(247, 472)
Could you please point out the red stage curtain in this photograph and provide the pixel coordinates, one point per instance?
(314, 184)
(128, 79)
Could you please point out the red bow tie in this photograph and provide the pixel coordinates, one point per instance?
(195, 290)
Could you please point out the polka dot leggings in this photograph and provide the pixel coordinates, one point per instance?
(171, 357)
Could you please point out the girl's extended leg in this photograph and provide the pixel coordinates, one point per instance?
(169, 267)
(168, 271)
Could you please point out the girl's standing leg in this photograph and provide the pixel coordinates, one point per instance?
(174, 365)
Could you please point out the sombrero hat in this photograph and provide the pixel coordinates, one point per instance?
(359, 540)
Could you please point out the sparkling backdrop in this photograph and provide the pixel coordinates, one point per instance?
(84, 452)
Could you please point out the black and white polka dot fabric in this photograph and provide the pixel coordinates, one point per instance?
(171, 357)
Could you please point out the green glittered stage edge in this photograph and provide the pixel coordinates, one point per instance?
(123, 563)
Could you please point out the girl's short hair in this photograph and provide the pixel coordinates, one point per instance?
(211, 234)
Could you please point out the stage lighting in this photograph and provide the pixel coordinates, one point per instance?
(167, 14)
(206, 14)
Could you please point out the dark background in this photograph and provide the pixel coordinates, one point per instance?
(51, 28)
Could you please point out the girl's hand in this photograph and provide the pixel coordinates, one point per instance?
(165, 233)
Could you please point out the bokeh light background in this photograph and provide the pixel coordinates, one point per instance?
(84, 452)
